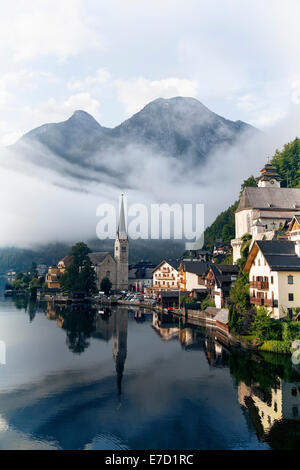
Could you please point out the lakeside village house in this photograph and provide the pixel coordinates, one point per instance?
(114, 268)
(271, 214)
(195, 278)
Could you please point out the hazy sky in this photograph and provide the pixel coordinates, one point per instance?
(111, 57)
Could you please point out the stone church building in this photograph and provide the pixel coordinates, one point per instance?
(114, 268)
(264, 209)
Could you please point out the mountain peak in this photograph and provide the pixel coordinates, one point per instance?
(180, 127)
(80, 115)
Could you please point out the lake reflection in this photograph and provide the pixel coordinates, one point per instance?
(127, 379)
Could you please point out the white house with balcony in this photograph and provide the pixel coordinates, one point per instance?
(274, 275)
(165, 276)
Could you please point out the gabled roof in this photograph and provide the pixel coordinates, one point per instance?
(287, 199)
(67, 260)
(173, 263)
(295, 220)
(99, 257)
(279, 254)
(196, 267)
(223, 273)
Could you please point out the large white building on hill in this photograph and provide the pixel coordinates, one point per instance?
(264, 209)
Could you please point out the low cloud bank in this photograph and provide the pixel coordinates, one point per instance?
(54, 200)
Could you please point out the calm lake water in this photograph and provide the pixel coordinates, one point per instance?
(74, 379)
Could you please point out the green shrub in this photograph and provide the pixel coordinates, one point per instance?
(186, 299)
(265, 327)
(207, 302)
(279, 347)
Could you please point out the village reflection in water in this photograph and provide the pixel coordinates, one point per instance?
(267, 385)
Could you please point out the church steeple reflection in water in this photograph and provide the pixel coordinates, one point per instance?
(120, 347)
(263, 390)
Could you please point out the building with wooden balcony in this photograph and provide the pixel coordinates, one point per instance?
(274, 276)
(219, 280)
(166, 276)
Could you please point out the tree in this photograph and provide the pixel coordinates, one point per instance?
(239, 293)
(246, 242)
(232, 316)
(251, 181)
(228, 232)
(105, 285)
(34, 284)
(224, 225)
(33, 270)
(79, 275)
(287, 163)
(186, 299)
(265, 327)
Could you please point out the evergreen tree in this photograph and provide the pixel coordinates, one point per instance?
(80, 275)
(287, 163)
(105, 285)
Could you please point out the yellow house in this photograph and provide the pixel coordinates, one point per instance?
(55, 273)
(274, 275)
(279, 403)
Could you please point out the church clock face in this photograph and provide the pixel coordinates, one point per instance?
(272, 181)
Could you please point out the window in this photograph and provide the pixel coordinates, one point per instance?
(123, 249)
(108, 274)
(290, 280)
(291, 297)
(275, 407)
(259, 262)
(272, 280)
(295, 411)
(294, 392)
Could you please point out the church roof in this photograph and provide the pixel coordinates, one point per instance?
(285, 199)
(269, 172)
(122, 234)
(275, 214)
(98, 257)
(67, 260)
